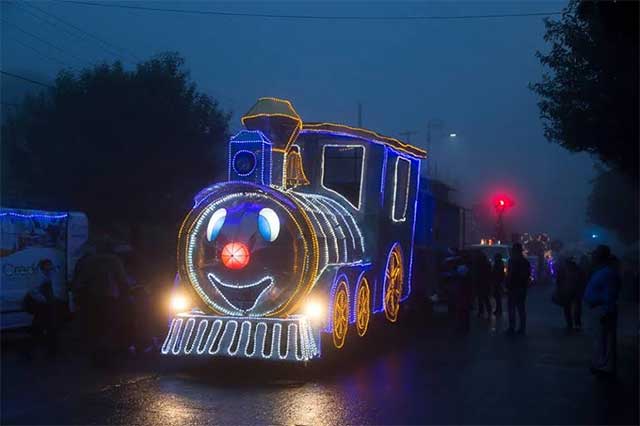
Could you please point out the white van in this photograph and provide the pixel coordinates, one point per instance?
(26, 238)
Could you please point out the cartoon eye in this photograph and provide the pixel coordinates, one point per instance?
(215, 224)
(268, 224)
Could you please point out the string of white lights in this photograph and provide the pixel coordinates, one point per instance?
(178, 340)
(317, 225)
(335, 227)
(344, 221)
(328, 226)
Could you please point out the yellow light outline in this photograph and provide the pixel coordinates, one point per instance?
(342, 289)
(315, 257)
(364, 283)
(295, 117)
(295, 132)
(272, 98)
(395, 252)
(393, 142)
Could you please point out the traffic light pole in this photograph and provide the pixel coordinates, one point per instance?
(500, 225)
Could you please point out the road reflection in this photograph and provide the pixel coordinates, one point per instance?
(355, 388)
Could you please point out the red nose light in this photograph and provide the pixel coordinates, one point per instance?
(235, 255)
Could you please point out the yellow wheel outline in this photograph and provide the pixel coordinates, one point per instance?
(340, 315)
(393, 278)
(363, 307)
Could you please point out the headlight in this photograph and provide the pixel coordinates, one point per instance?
(179, 303)
(315, 310)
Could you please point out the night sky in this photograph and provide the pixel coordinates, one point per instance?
(472, 74)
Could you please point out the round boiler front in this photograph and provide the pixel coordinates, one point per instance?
(248, 250)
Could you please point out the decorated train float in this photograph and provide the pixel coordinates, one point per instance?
(311, 236)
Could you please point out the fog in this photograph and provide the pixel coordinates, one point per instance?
(471, 74)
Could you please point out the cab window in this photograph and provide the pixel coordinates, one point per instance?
(401, 178)
(342, 168)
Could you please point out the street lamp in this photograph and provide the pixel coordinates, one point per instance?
(435, 124)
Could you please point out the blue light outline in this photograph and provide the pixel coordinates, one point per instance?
(35, 215)
(262, 137)
(383, 177)
(413, 234)
(207, 192)
(263, 143)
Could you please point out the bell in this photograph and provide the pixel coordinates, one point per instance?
(295, 170)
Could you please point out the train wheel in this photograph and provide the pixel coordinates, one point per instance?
(340, 315)
(394, 276)
(363, 307)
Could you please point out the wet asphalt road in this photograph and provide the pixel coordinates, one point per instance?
(404, 375)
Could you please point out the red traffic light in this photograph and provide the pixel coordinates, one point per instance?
(502, 202)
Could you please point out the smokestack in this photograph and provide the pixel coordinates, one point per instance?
(280, 122)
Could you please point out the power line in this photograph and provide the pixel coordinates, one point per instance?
(44, 55)
(57, 26)
(46, 21)
(20, 77)
(106, 45)
(313, 17)
(35, 36)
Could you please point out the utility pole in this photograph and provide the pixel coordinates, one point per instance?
(360, 114)
(407, 135)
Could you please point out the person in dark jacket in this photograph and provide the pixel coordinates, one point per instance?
(570, 290)
(105, 296)
(601, 296)
(517, 281)
(463, 293)
(497, 282)
(42, 304)
(482, 282)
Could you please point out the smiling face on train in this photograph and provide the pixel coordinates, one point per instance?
(244, 255)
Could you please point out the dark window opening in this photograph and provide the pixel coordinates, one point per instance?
(401, 178)
(342, 171)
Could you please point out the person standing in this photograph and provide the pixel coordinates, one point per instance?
(575, 284)
(105, 285)
(601, 295)
(463, 293)
(497, 281)
(42, 304)
(519, 272)
(482, 282)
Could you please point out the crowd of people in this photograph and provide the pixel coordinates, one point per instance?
(110, 307)
(473, 281)
(114, 310)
